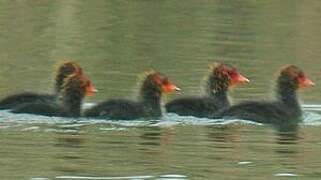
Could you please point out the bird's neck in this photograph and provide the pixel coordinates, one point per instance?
(217, 89)
(286, 94)
(72, 100)
(59, 83)
(221, 97)
(150, 98)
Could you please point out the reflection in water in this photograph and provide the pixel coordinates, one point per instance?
(225, 139)
(287, 133)
(151, 138)
(157, 136)
(224, 134)
(287, 136)
(286, 148)
(286, 143)
(70, 141)
(70, 145)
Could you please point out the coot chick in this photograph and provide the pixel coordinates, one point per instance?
(147, 105)
(286, 109)
(64, 70)
(220, 79)
(74, 88)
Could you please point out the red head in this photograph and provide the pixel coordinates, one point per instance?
(227, 74)
(296, 76)
(78, 82)
(161, 82)
(69, 66)
(65, 69)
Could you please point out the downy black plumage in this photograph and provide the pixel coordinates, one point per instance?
(64, 70)
(285, 109)
(146, 106)
(221, 77)
(74, 89)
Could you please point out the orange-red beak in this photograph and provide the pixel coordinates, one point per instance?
(90, 90)
(170, 87)
(239, 79)
(305, 82)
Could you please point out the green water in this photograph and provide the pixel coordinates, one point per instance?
(115, 41)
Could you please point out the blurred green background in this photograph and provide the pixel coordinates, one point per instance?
(116, 40)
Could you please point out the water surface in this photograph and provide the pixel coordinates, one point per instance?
(115, 41)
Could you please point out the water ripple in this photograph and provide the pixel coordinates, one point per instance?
(161, 177)
(285, 175)
(9, 120)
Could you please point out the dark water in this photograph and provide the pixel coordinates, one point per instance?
(115, 41)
